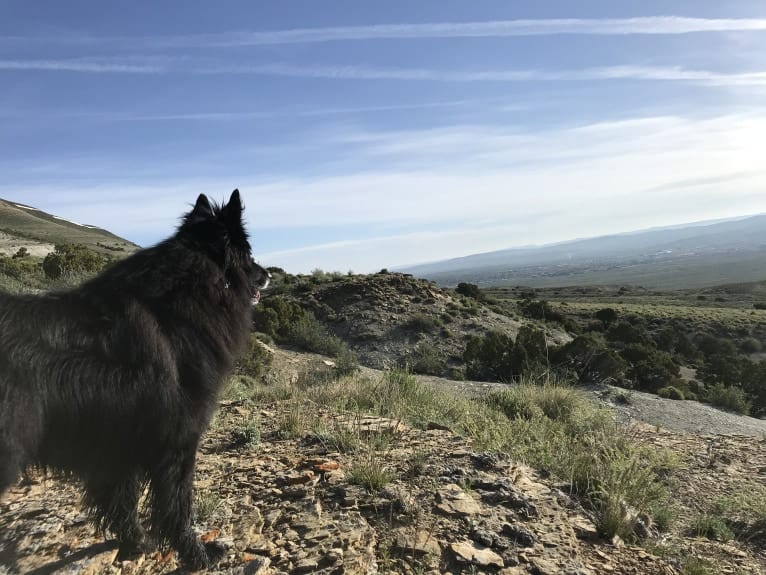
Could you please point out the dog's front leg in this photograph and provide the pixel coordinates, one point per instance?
(172, 509)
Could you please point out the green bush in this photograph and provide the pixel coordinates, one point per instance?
(310, 334)
(470, 290)
(671, 392)
(276, 315)
(730, 398)
(423, 323)
(497, 357)
(590, 358)
(650, 368)
(68, 260)
(540, 310)
(606, 316)
(346, 362)
(627, 333)
(254, 361)
(427, 359)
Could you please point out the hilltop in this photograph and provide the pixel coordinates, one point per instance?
(23, 226)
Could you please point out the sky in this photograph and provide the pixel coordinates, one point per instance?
(365, 135)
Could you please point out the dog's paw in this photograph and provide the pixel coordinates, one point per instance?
(215, 551)
(204, 556)
(130, 551)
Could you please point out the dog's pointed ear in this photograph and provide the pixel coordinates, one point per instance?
(232, 212)
(235, 202)
(202, 209)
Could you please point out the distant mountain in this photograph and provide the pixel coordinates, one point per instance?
(689, 256)
(37, 231)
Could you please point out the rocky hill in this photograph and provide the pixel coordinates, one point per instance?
(388, 318)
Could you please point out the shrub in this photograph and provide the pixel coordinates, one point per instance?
(671, 392)
(247, 435)
(275, 316)
(310, 334)
(346, 362)
(650, 368)
(68, 260)
(540, 310)
(497, 357)
(606, 316)
(427, 359)
(470, 290)
(626, 333)
(750, 345)
(370, 472)
(589, 357)
(254, 360)
(554, 400)
(730, 398)
(423, 323)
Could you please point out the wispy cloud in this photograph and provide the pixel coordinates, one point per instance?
(485, 187)
(215, 116)
(627, 72)
(90, 66)
(664, 25)
(187, 66)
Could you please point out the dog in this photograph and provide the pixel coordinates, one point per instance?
(115, 381)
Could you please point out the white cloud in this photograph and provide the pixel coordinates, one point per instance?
(652, 25)
(627, 72)
(85, 65)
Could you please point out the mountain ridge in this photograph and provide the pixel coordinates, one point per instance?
(685, 248)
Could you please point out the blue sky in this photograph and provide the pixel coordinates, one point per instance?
(365, 135)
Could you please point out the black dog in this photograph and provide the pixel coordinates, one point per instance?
(115, 381)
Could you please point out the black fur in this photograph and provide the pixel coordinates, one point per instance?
(115, 381)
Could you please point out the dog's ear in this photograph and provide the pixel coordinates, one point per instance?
(202, 210)
(232, 212)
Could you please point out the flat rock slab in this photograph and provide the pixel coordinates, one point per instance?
(454, 501)
(468, 552)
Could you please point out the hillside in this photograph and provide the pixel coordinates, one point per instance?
(38, 232)
(692, 256)
(279, 482)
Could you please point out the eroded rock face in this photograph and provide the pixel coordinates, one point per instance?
(288, 506)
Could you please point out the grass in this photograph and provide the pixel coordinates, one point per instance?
(417, 462)
(370, 472)
(713, 527)
(294, 423)
(544, 422)
(697, 566)
(549, 425)
(208, 505)
(663, 516)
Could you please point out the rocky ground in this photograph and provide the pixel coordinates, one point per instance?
(285, 499)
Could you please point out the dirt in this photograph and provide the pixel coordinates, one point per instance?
(287, 504)
(9, 245)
